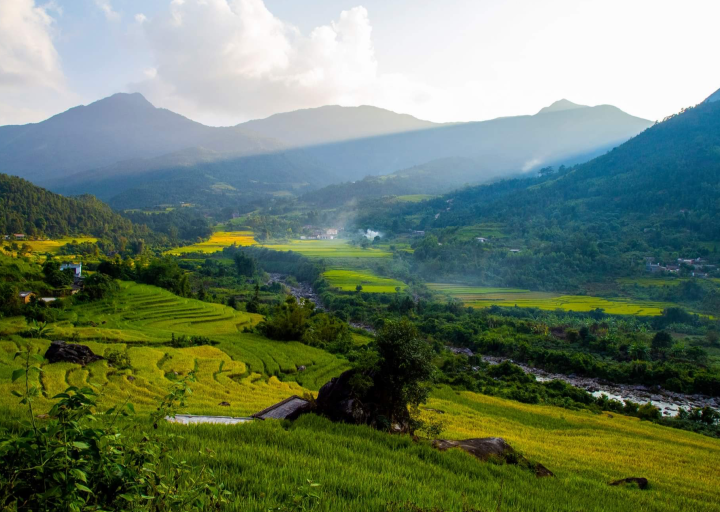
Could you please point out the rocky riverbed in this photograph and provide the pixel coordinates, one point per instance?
(668, 402)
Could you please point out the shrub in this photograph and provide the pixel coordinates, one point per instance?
(119, 360)
(648, 412)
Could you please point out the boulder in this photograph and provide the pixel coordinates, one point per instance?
(337, 402)
(301, 368)
(61, 352)
(493, 448)
(483, 448)
(641, 482)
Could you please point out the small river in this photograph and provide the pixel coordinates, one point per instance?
(668, 402)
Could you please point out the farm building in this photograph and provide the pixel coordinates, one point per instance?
(288, 409)
(76, 267)
(26, 297)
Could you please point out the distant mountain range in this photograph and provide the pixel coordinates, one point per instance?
(128, 152)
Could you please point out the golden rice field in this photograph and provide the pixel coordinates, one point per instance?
(481, 297)
(52, 246)
(348, 280)
(242, 369)
(217, 242)
(336, 248)
(359, 469)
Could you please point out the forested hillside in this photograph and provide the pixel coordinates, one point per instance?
(31, 210)
(654, 196)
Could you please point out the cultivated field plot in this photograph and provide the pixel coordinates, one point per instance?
(360, 469)
(481, 297)
(348, 281)
(337, 248)
(217, 242)
(52, 246)
(243, 369)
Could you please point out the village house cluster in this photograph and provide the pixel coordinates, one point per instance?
(27, 296)
(319, 234)
(697, 267)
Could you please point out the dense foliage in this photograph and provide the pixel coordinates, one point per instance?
(33, 211)
(653, 197)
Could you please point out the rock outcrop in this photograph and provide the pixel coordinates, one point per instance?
(61, 352)
(337, 402)
(493, 449)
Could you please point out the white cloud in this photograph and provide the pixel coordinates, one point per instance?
(27, 53)
(230, 60)
(32, 83)
(140, 18)
(106, 7)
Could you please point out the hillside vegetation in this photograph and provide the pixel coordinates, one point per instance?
(31, 210)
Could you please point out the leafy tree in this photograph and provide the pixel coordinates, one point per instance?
(245, 265)
(403, 371)
(662, 341)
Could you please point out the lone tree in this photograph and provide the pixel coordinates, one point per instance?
(404, 368)
(391, 376)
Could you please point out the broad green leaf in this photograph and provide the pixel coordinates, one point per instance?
(18, 374)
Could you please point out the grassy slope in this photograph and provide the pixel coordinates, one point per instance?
(360, 469)
(480, 297)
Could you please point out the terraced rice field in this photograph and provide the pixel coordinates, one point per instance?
(243, 369)
(481, 297)
(337, 248)
(217, 242)
(348, 280)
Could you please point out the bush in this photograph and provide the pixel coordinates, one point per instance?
(119, 360)
(648, 412)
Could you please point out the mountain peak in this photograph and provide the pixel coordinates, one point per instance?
(713, 97)
(132, 99)
(560, 105)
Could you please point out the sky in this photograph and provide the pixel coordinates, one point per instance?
(222, 62)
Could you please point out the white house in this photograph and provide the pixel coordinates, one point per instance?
(77, 268)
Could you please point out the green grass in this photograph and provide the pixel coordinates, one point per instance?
(360, 469)
(481, 297)
(348, 280)
(337, 248)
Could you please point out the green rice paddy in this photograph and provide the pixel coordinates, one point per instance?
(481, 297)
(337, 248)
(348, 280)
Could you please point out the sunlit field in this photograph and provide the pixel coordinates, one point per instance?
(50, 246)
(242, 368)
(337, 248)
(358, 469)
(348, 280)
(217, 242)
(480, 297)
